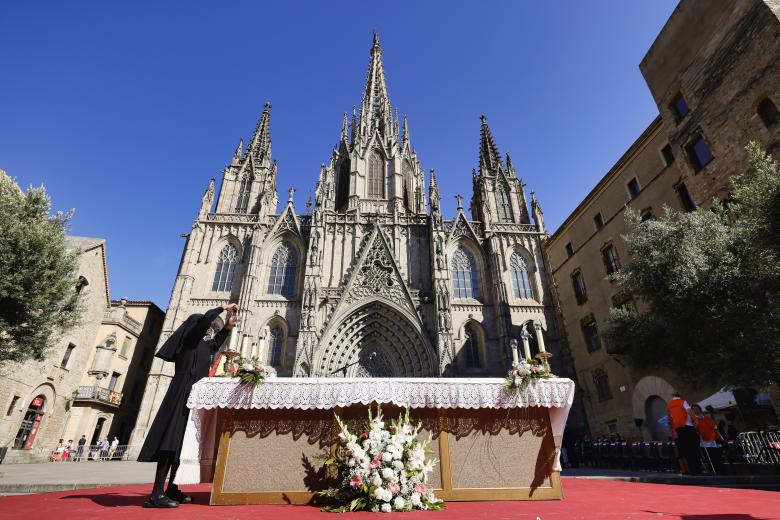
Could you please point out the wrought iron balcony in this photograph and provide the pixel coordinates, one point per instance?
(98, 394)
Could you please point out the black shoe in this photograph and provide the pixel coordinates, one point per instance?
(175, 493)
(161, 501)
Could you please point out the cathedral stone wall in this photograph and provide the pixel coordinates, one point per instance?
(371, 281)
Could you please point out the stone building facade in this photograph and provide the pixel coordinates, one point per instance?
(36, 396)
(92, 380)
(714, 71)
(372, 280)
(108, 398)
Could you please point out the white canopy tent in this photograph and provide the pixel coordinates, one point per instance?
(723, 398)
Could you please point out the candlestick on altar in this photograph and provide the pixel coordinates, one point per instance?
(514, 346)
(245, 347)
(524, 335)
(233, 343)
(539, 336)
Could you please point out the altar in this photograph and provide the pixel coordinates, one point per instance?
(261, 445)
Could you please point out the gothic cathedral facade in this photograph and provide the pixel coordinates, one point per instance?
(372, 281)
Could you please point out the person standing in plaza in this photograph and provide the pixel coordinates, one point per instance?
(80, 449)
(687, 440)
(112, 449)
(709, 434)
(191, 348)
(104, 445)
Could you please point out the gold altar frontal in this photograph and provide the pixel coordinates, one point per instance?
(270, 456)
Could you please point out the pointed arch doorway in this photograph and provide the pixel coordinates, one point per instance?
(375, 340)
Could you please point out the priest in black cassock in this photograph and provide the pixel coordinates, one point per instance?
(192, 347)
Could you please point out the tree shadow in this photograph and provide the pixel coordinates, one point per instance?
(131, 499)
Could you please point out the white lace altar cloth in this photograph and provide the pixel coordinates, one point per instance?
(325, 393)
(308, 393)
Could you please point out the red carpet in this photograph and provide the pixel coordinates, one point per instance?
(597, 499)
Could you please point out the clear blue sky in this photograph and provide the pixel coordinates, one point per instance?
(124, 110)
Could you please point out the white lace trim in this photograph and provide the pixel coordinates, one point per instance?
(326, 393)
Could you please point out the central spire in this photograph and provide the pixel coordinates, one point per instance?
(489, 158)
(260, 144)
(375, 110)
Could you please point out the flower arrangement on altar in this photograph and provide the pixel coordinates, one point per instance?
(382, 469)
(250, 370)
(525, 370)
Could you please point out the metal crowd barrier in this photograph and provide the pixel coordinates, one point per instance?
(662, 456)
(92, 452)
(760, 447)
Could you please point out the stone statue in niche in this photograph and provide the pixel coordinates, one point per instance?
(486, 212)
(439, 253)
(314, 248)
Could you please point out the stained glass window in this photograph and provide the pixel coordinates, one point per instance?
(284, 265)
(226, 267)
(464, 274)
(520, 279)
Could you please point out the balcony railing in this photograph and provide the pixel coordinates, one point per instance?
(96, 393)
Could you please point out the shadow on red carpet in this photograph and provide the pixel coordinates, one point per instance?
(585, 499)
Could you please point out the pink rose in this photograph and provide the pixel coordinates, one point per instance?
(355, 481)
(376, 462)
(393, 488)
(420, 488)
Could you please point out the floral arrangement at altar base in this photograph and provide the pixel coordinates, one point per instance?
(250, 370)
(525, 370)
(382, 469)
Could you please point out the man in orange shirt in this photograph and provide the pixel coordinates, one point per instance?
(687, 440)
(709, 434)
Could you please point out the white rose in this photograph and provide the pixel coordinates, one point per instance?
(249, 367)
(398, 465)
(415, 500)
(376, 480)
(388, 473)
(399, 503)
(386, 508)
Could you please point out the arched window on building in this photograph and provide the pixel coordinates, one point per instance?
(768, 113)
(406, 172)
(342, 194)
(601, 380)
(226, 267)
(376, 176)
(504, 205)
(243, 194)
(520, 279)
(284, 265)
(464, 274)
(471, 347)
(275, 346)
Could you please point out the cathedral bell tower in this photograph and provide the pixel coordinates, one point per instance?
(249, 181)
(373, 168)
(499, 196)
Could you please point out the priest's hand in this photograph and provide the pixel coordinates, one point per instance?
(231, 321)
(231, 307)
